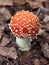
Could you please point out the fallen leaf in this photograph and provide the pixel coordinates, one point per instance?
(40, 32)
(8, 52)
(36, 62)
(45, 50)
(44, 60)
(25, 56)
(46, 19)
(35, 3)
(6, 2)
(1, 30)
(0, 34)
(18, 2)
(5, 13)
(4, 41)
(1, 19)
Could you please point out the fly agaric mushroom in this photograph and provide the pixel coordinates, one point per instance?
(24, 25)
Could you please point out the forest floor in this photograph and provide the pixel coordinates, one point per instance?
(9, 53)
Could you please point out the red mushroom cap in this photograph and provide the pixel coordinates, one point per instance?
(24, 23)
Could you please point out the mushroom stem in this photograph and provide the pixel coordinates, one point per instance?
(24, 44)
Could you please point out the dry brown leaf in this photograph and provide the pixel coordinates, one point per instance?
(0, 34)
(8, 52)
(25, 56)
(1, 19)
(6, 2)
(5, 12)
(1, 30)
(46, 19)
(36, 62)
(40, 31)
(4, 41)
(35, 3)
(18, 2)
(45, 50)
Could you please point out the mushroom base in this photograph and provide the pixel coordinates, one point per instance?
(24, 44)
